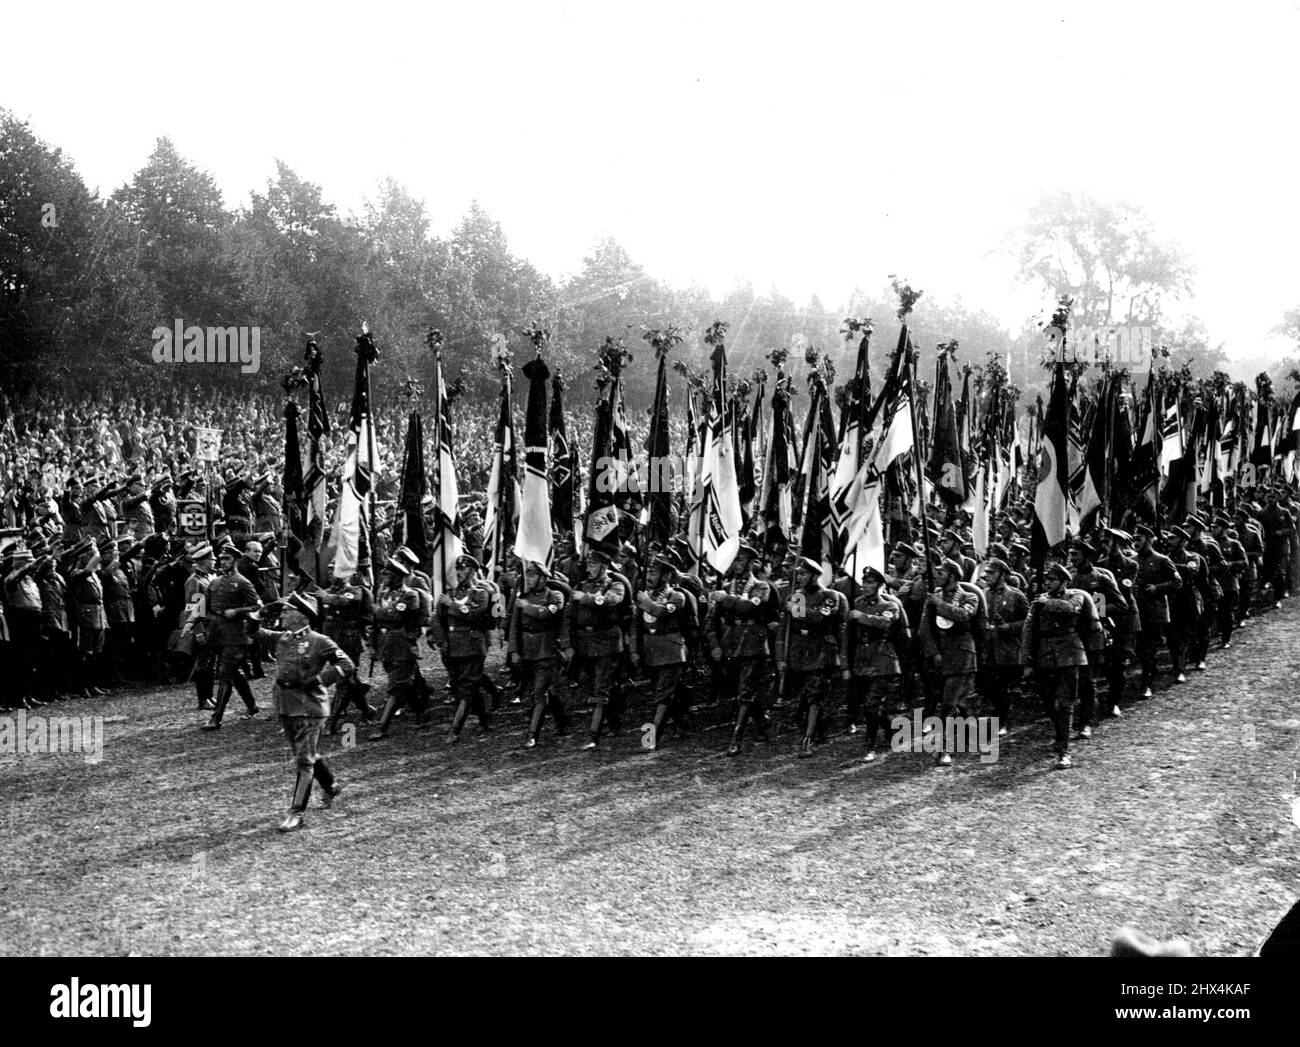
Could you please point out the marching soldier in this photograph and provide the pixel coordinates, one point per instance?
(737, 622)
(1053, 652)
(595, 638)
(1156, 579)
(906, 578)
(950, 619)
(1126, 620)
(1107, 600)
(87, 595)
(306, 663)
(535, 645)
(1235, 566)
(348, 610)
(465, 617)
(808, 648)
(1253, 542)
(876, 627)
(1000, 667)
(231, 598)
(660, 643)
(1189, 610)
(194, 626)
(395, 643)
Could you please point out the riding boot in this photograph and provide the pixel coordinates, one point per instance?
(657, 723)
(458, 718)
(340, 703)
(245, 692)
(324, 774)
(535, 724)
(390, 708)
(302, 790)
(223, 696)
(558, 714)
(481, 711)
(814, 710)
(597, 719)
(203, 688)
(738, 732)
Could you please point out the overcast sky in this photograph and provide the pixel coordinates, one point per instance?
(811, 147)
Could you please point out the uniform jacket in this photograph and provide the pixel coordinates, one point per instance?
(594, 628)
(87, 594)
(229, 592)
(1051, 636)
(737, 620)
(397, 625)
(1007, 609)
(1235, 563)
(873, 628)
(465, 624)
(812, 629)
(949, 629)
(118, 605)
(1108, 599)
(535, 629)
(1158, 570)
(659, 626)
(306, 663)
(349, 610)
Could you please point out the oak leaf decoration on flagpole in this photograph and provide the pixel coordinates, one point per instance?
(907, 297)
(366, 349)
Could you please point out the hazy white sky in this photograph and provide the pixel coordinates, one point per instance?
(807, 146)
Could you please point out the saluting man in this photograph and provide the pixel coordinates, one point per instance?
(875, 630)
(306, 662)
(595, 638)
(659, 643)
(1053, 652)
(808, 646)
(464, 618)
(535, 645)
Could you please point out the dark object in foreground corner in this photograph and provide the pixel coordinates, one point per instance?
(1285, 939)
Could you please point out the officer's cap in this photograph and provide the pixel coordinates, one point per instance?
(952, 566)
(537, 568)
(807, 563)
(305, 604)
(465, 560)
(1143, 529)
(400, 566)
(872, 575)
(999, 563)
(1086, 549)
(1056, 569)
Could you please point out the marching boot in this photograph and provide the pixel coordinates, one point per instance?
(203, 688)
(761, 722)
(458, 721)
(358, 693)
(558, 714)
(738, 732)
(806, 749)
(223, 696)
(340, 703)
(390, 708)
(872, 731)
(657, 723)
(301, 792)
(324, 774)
(481, 711)
(246, 693)
(597, 717)
(535, 724)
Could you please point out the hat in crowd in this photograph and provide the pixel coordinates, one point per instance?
(599, 556)
(999, 563)
(155, 545)
(465, 560)
(17, 557)
(1085, 549)
(1222, 520)
(807, 563)
(396, 563)
(1195, 520)
(39, 547)
(952, 565)
(304, 603)
(1056, 569)
(200, 551)
(665, 561)
(998, 550)
(81, 548)
(403, 552)
(910, 551)
(1179, 532)
(1019, 549)
(951, 536)
(747, 549)
(107, 544)
(874, 575)
(223, 546)
(1143, 530)
(1119, 535)
(538, 568)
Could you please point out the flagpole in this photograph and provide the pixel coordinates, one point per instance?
(916, 459)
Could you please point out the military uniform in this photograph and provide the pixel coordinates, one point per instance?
(534, 647)
(1053, 649)
(1000, 665)
(465, 625)
(306, 663)
(229, 638)
(1157, 571)
(951, 624)
(396, 638)
(736, 628)
(660, 643)
(1235, 565)
(193, 635)
(592, 627)
(1105, 597)
(87, 595)
(873, 631)
(809, 647)
(348, 611)
(1126, 626)
(1189, 610)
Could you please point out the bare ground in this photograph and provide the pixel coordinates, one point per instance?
(1176, 818)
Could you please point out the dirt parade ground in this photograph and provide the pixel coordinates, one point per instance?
(1177, 818)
